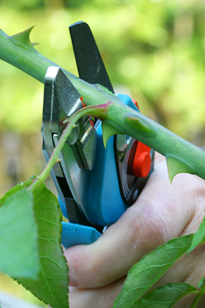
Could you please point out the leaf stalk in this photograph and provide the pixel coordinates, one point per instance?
(201, 292)
(97, 111)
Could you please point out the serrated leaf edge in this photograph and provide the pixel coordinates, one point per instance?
(177, 285)
(187, 237)
(197, 240)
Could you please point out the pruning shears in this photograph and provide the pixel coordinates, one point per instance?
(95, 185)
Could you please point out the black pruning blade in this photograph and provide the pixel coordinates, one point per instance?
(88, 59)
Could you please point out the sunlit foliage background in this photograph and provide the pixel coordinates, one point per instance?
(153, 50)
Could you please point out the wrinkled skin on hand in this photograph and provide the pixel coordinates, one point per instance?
(162, 212)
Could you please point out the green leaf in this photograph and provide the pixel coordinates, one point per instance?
(15, 189)
(201, 282)
(165, 296)
(18, 236)
(198, 237)
(149, 269)
(176, 165)
(51, 285)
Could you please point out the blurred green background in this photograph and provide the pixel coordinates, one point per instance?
(152, 49)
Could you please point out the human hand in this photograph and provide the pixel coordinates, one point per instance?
(162, 212)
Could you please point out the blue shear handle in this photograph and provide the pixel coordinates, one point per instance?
(74, 234)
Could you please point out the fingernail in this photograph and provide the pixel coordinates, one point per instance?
(72, 280)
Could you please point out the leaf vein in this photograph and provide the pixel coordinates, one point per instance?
(45, 257)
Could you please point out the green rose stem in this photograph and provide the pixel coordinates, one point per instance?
(181, 155)
(19, 52)
(198, 297)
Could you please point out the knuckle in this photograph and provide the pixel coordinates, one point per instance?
(149, 227)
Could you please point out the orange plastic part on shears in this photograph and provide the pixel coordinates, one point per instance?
(142, 159)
